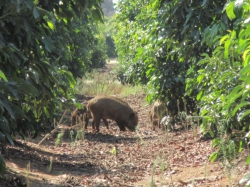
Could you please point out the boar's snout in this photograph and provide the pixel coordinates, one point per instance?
(132, 129)
(133, 121)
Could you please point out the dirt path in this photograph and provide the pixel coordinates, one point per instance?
(115, 158)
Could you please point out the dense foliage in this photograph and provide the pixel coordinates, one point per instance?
(110, 33)
(41, 44)
(158, 42)
(197, 50)
(222, 81)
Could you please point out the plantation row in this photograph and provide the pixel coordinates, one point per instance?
(195, 52)
(45, 46)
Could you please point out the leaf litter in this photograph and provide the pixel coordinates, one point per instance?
(114, 158)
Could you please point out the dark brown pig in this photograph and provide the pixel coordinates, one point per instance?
(109, 107)
(156, 113)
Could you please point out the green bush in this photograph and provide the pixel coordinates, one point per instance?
(222, 80)
(35, 52)
(158, 41)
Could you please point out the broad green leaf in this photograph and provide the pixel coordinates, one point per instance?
(218, 51)
(4, 125)
(184, 29)
(233, 97)
(223, 39)
(29, 3)
(97, 14)
(19, 5)
(247, 32)
(15, 49)
(240, 146)
(36, 13)
(2, 137)
(190, 12)
(247, 79)
(71, 79)
(18, 111)
(230, 10)
(244, 71)
(77, 31)
(140, 51)
(232, 35)
(224, 76)
(2, 166)
(246, 61)
(227, 48)
(238, 8)
(65, 20)
(245, 53)
(214, 30)
(243, 114)
(47, 13)
(9, 88)
(247, 21)
(28, 89)
(248, 161)
(200, 78)
(2, 75)
(48, 42)
(34, 75)
(245, 103)
(211, 132)
(5, 102)
(213, 157)
(190, 70)
(51, 25)
(198, 97)
(204, 2)
(9, 138)
(215, 142)
(205, 55)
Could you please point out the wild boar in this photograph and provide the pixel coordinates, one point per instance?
(109, 107)
(84, 115)
(156, 113)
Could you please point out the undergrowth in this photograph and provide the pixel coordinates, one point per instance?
(98, 82)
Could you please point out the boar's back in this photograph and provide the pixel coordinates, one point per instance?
(110, 107)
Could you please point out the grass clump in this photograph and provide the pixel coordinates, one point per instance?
(98, 82)
(59, 138)
(28, 174)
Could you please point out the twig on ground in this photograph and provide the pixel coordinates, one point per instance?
(53, 131)
(211, 178)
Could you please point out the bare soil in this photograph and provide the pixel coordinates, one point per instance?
(122, 159)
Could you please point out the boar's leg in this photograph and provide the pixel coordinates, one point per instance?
(86, 121)
(105, 122)
(93, 124)
(121, 125)
(96, 124)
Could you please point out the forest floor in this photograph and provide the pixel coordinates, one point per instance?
(123, 159)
